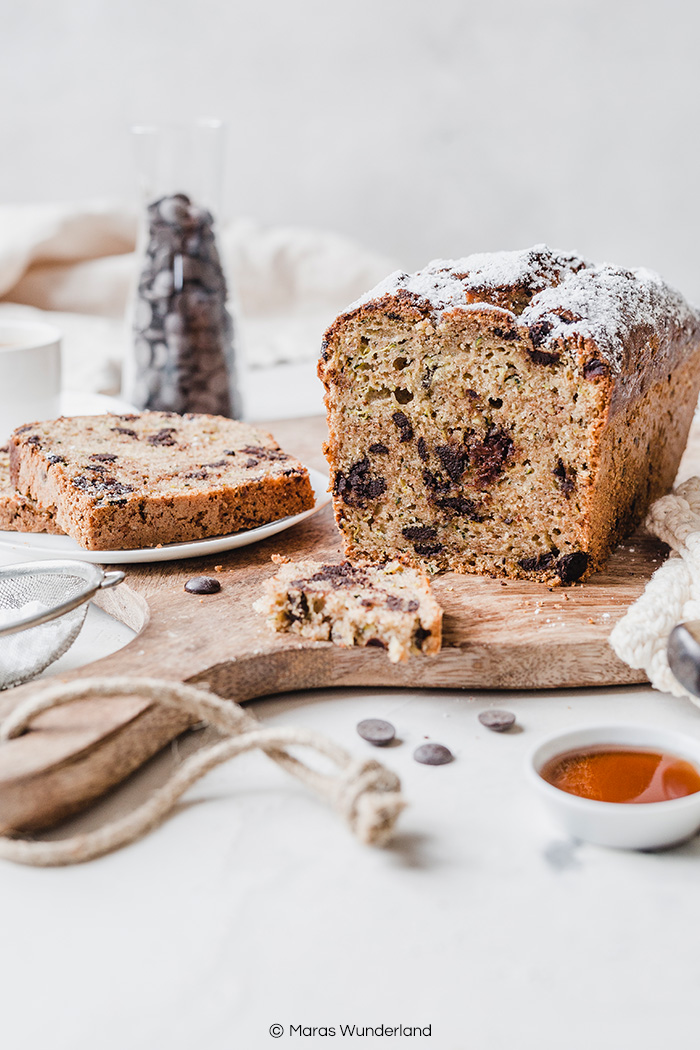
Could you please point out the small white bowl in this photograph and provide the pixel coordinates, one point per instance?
(30, 373)
(624, 825)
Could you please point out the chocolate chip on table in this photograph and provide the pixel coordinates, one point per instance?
(202, 585)
(376, 731)
(496, 719)
(433, 754)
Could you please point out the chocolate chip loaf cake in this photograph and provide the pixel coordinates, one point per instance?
(509, 414)
(388, 606)
(127, 481)
(19, 513)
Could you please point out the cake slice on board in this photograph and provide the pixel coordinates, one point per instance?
(389, 606)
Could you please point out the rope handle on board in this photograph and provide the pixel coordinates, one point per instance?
(364, 792)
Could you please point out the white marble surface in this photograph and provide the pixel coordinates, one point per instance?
(253, 905)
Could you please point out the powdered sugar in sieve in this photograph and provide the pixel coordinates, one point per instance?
(42, 608)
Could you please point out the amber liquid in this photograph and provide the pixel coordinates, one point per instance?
(612, 774)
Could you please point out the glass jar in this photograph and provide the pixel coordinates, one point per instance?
(182, 355)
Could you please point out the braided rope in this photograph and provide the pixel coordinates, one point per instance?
(365, 793)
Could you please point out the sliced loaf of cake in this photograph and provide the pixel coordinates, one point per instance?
(511, 414)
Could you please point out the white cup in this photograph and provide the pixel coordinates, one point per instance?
(30, 374)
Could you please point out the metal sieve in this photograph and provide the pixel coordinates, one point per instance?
(63, 589)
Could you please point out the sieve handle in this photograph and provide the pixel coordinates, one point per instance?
(111, 579)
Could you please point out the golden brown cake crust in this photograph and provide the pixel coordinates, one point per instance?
(511, 414)
(139, 480)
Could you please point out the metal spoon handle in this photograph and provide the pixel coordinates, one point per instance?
(684, 655)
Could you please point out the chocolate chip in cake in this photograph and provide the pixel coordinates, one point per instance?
(488, 457)
(103, 457)
(496, 719)
(163, 437)
(595, 369)
(422, 449)
(402, 422)
(539, 333)
(539, 562)
(571, 567)
(565, 477)
(376, 731)
(260, 452)
(125, 431)
(421, 533)
(435, 482)
(420, 635)
(506, 334)
(459, 505)
(203, 585)
(379, 449)
(433, 754)
(539, 357)
(343, 575)
(358, 485)
(298, 607)
(454, 460)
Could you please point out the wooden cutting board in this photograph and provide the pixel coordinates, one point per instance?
(497, 635)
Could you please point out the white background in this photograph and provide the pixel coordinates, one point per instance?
(423, 130)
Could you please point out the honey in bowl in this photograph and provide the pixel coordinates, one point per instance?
(622, 774)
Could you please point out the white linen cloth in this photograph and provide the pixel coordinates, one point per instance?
(77, 264)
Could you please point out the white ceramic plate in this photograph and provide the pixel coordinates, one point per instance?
(41, 545)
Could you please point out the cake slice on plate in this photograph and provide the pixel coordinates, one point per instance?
(119, 482)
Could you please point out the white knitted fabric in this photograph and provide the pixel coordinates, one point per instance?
(672, 595)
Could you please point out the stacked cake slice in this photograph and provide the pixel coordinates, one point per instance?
(140, 480)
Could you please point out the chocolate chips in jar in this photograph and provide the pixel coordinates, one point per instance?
(183, 333)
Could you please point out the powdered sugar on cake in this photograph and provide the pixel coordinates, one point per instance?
(606, 305)
(568, 298)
